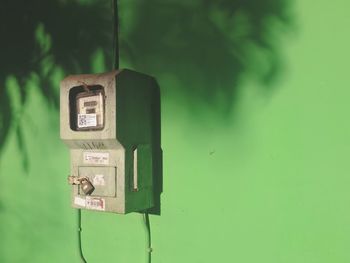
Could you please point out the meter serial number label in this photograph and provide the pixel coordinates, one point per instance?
(96, 158)
(87, 120)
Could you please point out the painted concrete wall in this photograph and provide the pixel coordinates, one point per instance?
(255, 134)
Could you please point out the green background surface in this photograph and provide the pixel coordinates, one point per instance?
(255, 135)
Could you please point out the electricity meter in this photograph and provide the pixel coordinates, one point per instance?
(111, 124)
(90, 110)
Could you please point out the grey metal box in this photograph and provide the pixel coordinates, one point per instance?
(114, 139)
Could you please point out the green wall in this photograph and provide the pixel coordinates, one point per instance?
(255, 136)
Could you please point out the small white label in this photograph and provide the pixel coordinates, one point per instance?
(96, 158)
(79, 201)
(95, 203)
(99, 180)
(87, 120)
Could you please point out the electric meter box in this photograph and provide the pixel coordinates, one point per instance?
(111, 123)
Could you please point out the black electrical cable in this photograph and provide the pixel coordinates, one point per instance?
(79, 237)
(115, 35)
(148, 234)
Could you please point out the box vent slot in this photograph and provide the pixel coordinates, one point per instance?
(92, 145)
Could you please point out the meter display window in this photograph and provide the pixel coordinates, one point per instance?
(87, 104)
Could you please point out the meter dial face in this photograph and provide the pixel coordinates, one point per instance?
(90, 110)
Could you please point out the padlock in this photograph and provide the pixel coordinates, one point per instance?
(86, 186)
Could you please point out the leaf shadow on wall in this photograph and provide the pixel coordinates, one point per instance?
(41, 39)
(207, 46)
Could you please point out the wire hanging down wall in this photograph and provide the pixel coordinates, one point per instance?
(149, 238)
(81, 254)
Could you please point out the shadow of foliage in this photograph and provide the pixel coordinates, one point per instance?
(207, 45)
(36, 37)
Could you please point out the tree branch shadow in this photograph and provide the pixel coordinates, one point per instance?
(207, 45)
(39, 37)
